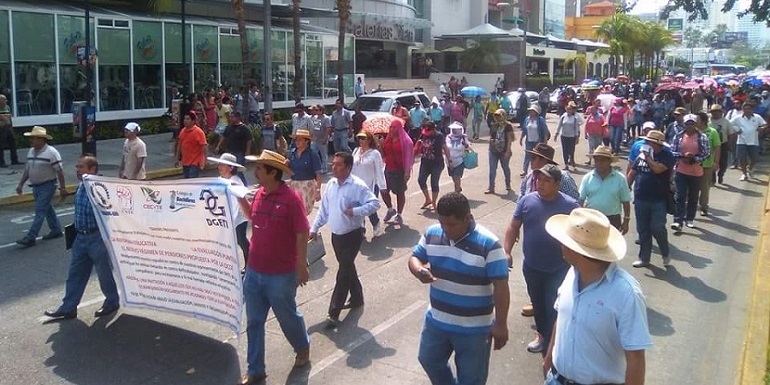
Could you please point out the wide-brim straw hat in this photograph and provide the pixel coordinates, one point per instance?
(588, 232)
(603, 152)
(302, 134)
(272, 159)
(655, 136)
(227, 159)
(38, 132)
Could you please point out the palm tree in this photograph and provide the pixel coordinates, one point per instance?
(245, 62)
(483, 56)
(616, 32)
(298, 75)
(580, 61)
(343, 8)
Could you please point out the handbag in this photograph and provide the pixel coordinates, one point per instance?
(470, 159)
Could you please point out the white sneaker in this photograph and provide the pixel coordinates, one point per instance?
(666, 261)
(690, 224)
(744, 177)
(638, 264)
(377, 230)
(676, 226)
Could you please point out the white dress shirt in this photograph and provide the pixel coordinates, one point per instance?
(352, 193)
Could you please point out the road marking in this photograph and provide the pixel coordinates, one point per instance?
(14, 243)
(29, 218)
(328, 361)
(82, 305)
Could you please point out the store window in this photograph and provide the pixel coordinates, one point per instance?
(230, 56)
(34, 64)
(176, 73)
(256, 54)
(5, 59)
(290, 75)
(72, 76)
(147, 40)
(314, 60)
(114, 37)
(280, 69)
(590, 70)
(205, 55)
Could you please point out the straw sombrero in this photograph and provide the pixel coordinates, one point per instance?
(604, 152)
(272, 159)
(588, 232)
(38, 132)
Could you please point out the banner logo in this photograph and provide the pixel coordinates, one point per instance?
(211, 203)
(126, 198)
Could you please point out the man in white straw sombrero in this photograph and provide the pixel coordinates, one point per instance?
(601, 331)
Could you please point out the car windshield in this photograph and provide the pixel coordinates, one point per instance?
(372, 104)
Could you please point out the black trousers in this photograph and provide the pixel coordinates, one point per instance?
(723, 159)
(243, 240)
(568, 149)
(8, 142)
(346, 248)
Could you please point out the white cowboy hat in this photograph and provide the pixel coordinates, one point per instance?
(588, 232)
(132, 127)
(39, 132)
(227, 159)
(272, 159)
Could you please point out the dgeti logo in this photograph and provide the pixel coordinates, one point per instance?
(211, 204)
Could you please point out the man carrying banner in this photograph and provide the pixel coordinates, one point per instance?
(273, 273)
(88, 251)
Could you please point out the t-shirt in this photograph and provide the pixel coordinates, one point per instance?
(431, 148)
(651, 187)
(417, 115)
(304, 122)
(43, 166)
(134, 151)
(436, 114)
(748, 129)
(222, 114)
(237, 138)
(391, 152)
(541, 251)
(498, 137)
(605, 195)
(320, 134)
(191, 141)
(340, 120)
(723, 127)
(714, 143)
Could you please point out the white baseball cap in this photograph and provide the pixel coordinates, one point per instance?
(132, 127)
(691, 118)
(648, 125)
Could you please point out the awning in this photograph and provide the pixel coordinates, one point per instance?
(426, 50)
(453, 49)
(483, 30)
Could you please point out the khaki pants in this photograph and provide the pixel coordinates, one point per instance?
(705, 186)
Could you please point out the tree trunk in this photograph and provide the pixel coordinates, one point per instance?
(245, 62)
(299, 75)
(343, 7)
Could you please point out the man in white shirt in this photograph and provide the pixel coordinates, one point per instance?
(747, 126)
(346, 202)
(134, 154)
(300, 120)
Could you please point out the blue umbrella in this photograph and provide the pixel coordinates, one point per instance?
(473, 91)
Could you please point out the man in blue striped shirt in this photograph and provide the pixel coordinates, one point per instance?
(468, 272)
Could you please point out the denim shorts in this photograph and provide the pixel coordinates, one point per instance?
(743, 151)
(457, 172)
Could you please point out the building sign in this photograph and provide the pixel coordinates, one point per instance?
(381, 30)
(675, 24)
(538, 52)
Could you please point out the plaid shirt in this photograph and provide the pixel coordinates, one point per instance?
(84, 213)
(703, 147)
(566, 186)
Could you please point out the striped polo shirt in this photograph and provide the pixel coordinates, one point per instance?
(461, 298)
(43, 165)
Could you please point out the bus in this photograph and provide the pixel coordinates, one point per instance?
(700, 69)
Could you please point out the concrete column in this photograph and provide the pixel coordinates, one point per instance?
(550, 69)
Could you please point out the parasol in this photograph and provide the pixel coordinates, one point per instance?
(690, 85)
(666, 87)
(380, 124)
(610, 80)
(666, 79)
(473, 91)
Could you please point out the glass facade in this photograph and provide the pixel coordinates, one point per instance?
(553, 18)
(138, 60)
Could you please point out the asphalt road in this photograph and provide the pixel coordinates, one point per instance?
(697, 308)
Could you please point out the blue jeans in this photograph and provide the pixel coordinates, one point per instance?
(651, 222)
(323, 151)
(340, 139)
(686, 197)
(471, 356)
(190, 171)
(529, 146)
(542, 287)
(43, 194)
(505, 163)
(262, 292)
(89, 252)
(616, 136)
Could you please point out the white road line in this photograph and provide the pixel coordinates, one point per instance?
(328, 361)
(82, 305)
(14, 243)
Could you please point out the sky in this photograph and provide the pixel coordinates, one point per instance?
(648, 6)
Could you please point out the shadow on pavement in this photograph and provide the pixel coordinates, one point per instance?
(748, 193)
(135, 350)
(694, 285)
(733, 226)
(717, 239)
(660, 324)
(696, 261)
(319, 268)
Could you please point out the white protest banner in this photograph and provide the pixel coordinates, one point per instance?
(172, 244)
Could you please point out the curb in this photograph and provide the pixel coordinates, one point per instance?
(754, 365)
(27, 197)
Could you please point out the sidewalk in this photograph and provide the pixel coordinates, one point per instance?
(159, 164)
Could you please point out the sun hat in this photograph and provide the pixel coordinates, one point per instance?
(303, 134)
(550, 170)
(500, 112)
(715, 107)
(38, 132)
(588, 232)
(272, 159)
(604, 152)
(679, 111)
(535, 108)
(691, 118)
(572, 104)
(656, 137)
(648, 125)
(132, 127)
(361, 134)
(456, 126)
(545, 151)
(227, 159)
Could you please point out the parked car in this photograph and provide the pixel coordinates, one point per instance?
(514, 96)
(383, 101)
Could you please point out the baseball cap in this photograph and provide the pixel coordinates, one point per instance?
(132, 127)
(649, 125)
(691, 118)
